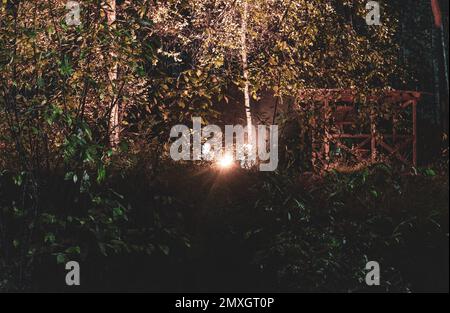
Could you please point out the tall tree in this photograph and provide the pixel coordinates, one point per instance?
(114, 127)
(245, 72)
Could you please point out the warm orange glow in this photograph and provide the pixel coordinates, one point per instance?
(226, 161)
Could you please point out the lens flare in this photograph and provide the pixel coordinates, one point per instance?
(226, 161)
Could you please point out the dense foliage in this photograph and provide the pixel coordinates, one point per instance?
(66, 193)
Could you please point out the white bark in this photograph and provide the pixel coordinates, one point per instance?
(248, 114)
(114, 129)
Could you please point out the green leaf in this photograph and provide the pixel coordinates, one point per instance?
(65, 67)
(165, 249)
(430, 172)
(73, 250)
(101, 174)
(60, 258)
(49, 238)
(117, 212)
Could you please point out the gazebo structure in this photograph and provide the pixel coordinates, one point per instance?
(364, 136)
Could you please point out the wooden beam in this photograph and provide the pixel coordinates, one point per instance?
(414, 108)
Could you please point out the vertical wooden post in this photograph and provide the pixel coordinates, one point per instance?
(394, 128)
(327, 115)
(414, 108)
(373, 134)
(313, 130)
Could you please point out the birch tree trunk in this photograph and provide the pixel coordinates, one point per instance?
(114, 129)
(248, 113)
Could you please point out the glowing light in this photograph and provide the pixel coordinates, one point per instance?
(226, 161)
